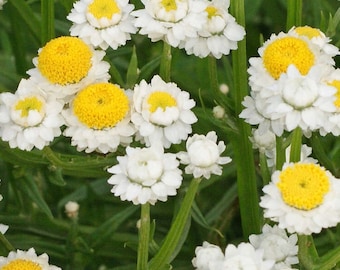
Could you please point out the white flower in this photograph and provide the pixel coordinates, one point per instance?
(102, 23)
(264, 142)
(317, 37)
(162, 112)
(20, 259)
(277, 246)
(218, 112)
(303, 198)
(145, 175)
(218, 35)
(203, 155)
(98, 118)
(30, 118)
(207, 257)
(172, 21)
(245, 257)
(72, 209)
(67, 64)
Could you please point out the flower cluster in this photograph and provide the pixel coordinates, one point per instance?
(273, 249)
(200, 27)
(294, 84)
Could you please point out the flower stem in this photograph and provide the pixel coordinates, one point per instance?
(163, 256)
(244, 157)
(165, 68)
(307, 252)
(280, 153)
(265, 173)
(144, 235)
(213, 79)
(294, 13)
(47, 22)
(6, 243)
(295, 149)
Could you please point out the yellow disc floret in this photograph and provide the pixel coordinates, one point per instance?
(169, 5)
(65, 60)
(212, 11)
(20, 264)
(103, 8)
(287, 51)
(101, 105)
(159, 99)
(336, 84)
(29, 104)
(308, 31)
(303, 186)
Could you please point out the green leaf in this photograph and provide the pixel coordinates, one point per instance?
(148, 69)
(55, 176)
(102, 233)
(132, 72)
(29, 186)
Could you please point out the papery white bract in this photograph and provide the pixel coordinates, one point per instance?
(20, 259)
(162, 112)
(145, 175)
(208, 257)
(277, 246)
(101, 23)
(30, 118)
(67, 64)
(303, 198)
(98, 118)
(172, 21)
(202, 155)
(218, 35)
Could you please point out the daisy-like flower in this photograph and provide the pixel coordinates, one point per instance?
(245, 257)
(288, 86)
(29, 118)
(26, 260)
(172, 21)
(162, 112)
(303, 198)
(145, 175)
(218, 35)
(202, 155)
(67, 64)
(332, 123)
(208, 257)
(317, 37)
(102, 23)
(98, 118)
(277, 246)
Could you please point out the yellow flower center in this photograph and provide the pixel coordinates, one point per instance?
(212, 11)
(20, 264)
(308, 31)
(101, 105)
(303, 186)
(29, 104)
(169, 5)
(336, 84)
(103, 8)
(65, 60)
(159, 99)
(287, 51)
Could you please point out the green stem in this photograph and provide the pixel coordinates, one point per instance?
(280, 153)
(266, 175)
(213, 79)
(329, 260)
(244, 156)
(8, 246)
(295, 149)
(165, 68)
(294, 13)
(163, 257)
(144, 235)
(307, 252)
(47, 20)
